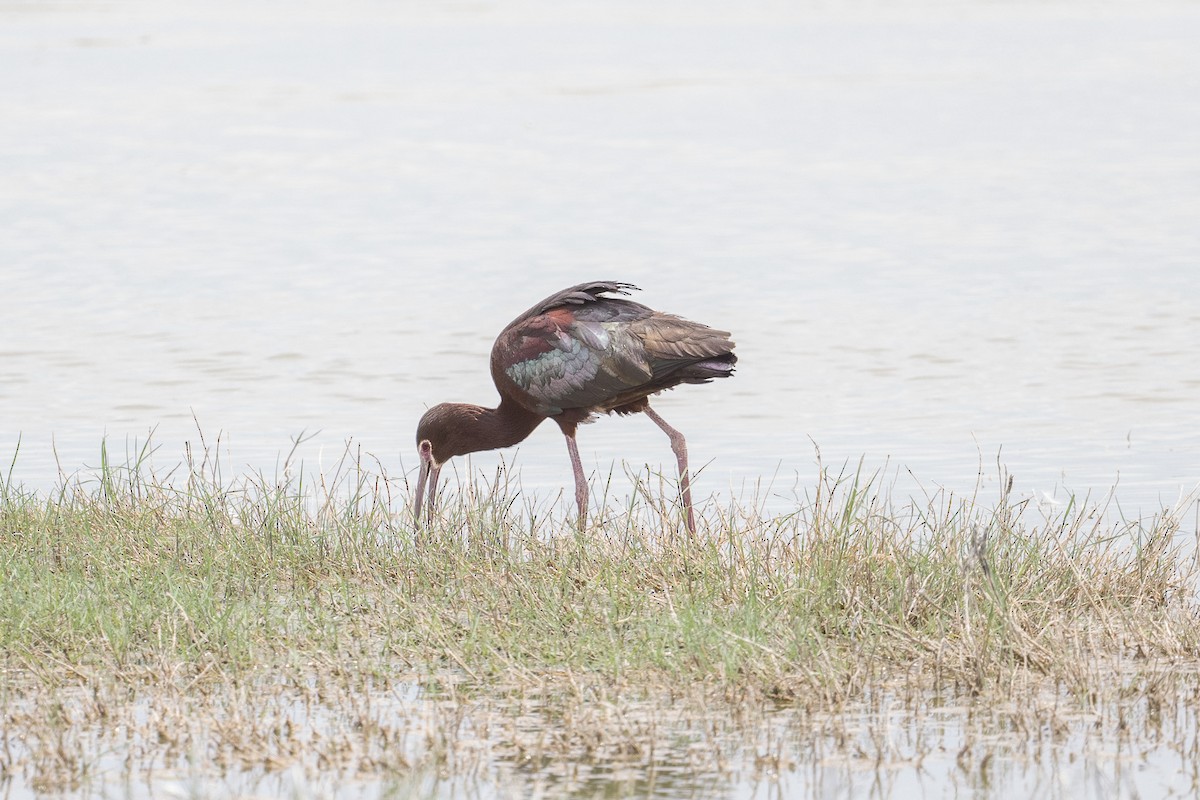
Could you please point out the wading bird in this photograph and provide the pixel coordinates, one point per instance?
(574, 355)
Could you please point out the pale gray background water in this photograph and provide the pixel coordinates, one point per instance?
(938, 231)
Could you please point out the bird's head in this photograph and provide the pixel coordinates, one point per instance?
(429, 430)
(443, 432)
(447, 430)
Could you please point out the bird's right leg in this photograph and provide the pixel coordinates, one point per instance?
(679, 446)
(581, 487)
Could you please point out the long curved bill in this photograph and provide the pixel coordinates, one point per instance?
(428, 475)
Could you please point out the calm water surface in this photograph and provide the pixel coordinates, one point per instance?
(943, 234)
(940, 234)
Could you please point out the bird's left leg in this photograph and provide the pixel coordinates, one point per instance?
(581, 487)
(679, 445)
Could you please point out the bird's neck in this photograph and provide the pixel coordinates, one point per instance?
(504, 426)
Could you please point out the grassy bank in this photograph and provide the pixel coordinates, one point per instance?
(131, 569)
(198, 586)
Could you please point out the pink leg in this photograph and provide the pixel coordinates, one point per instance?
(581, 487)
(679, 445)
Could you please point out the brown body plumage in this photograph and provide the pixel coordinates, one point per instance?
(576, 354)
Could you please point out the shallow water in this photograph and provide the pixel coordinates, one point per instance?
(276, 741)
(942, 235)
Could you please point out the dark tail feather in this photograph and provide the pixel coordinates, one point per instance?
(705, 371)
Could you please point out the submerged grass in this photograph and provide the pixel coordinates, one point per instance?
(195, 580)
